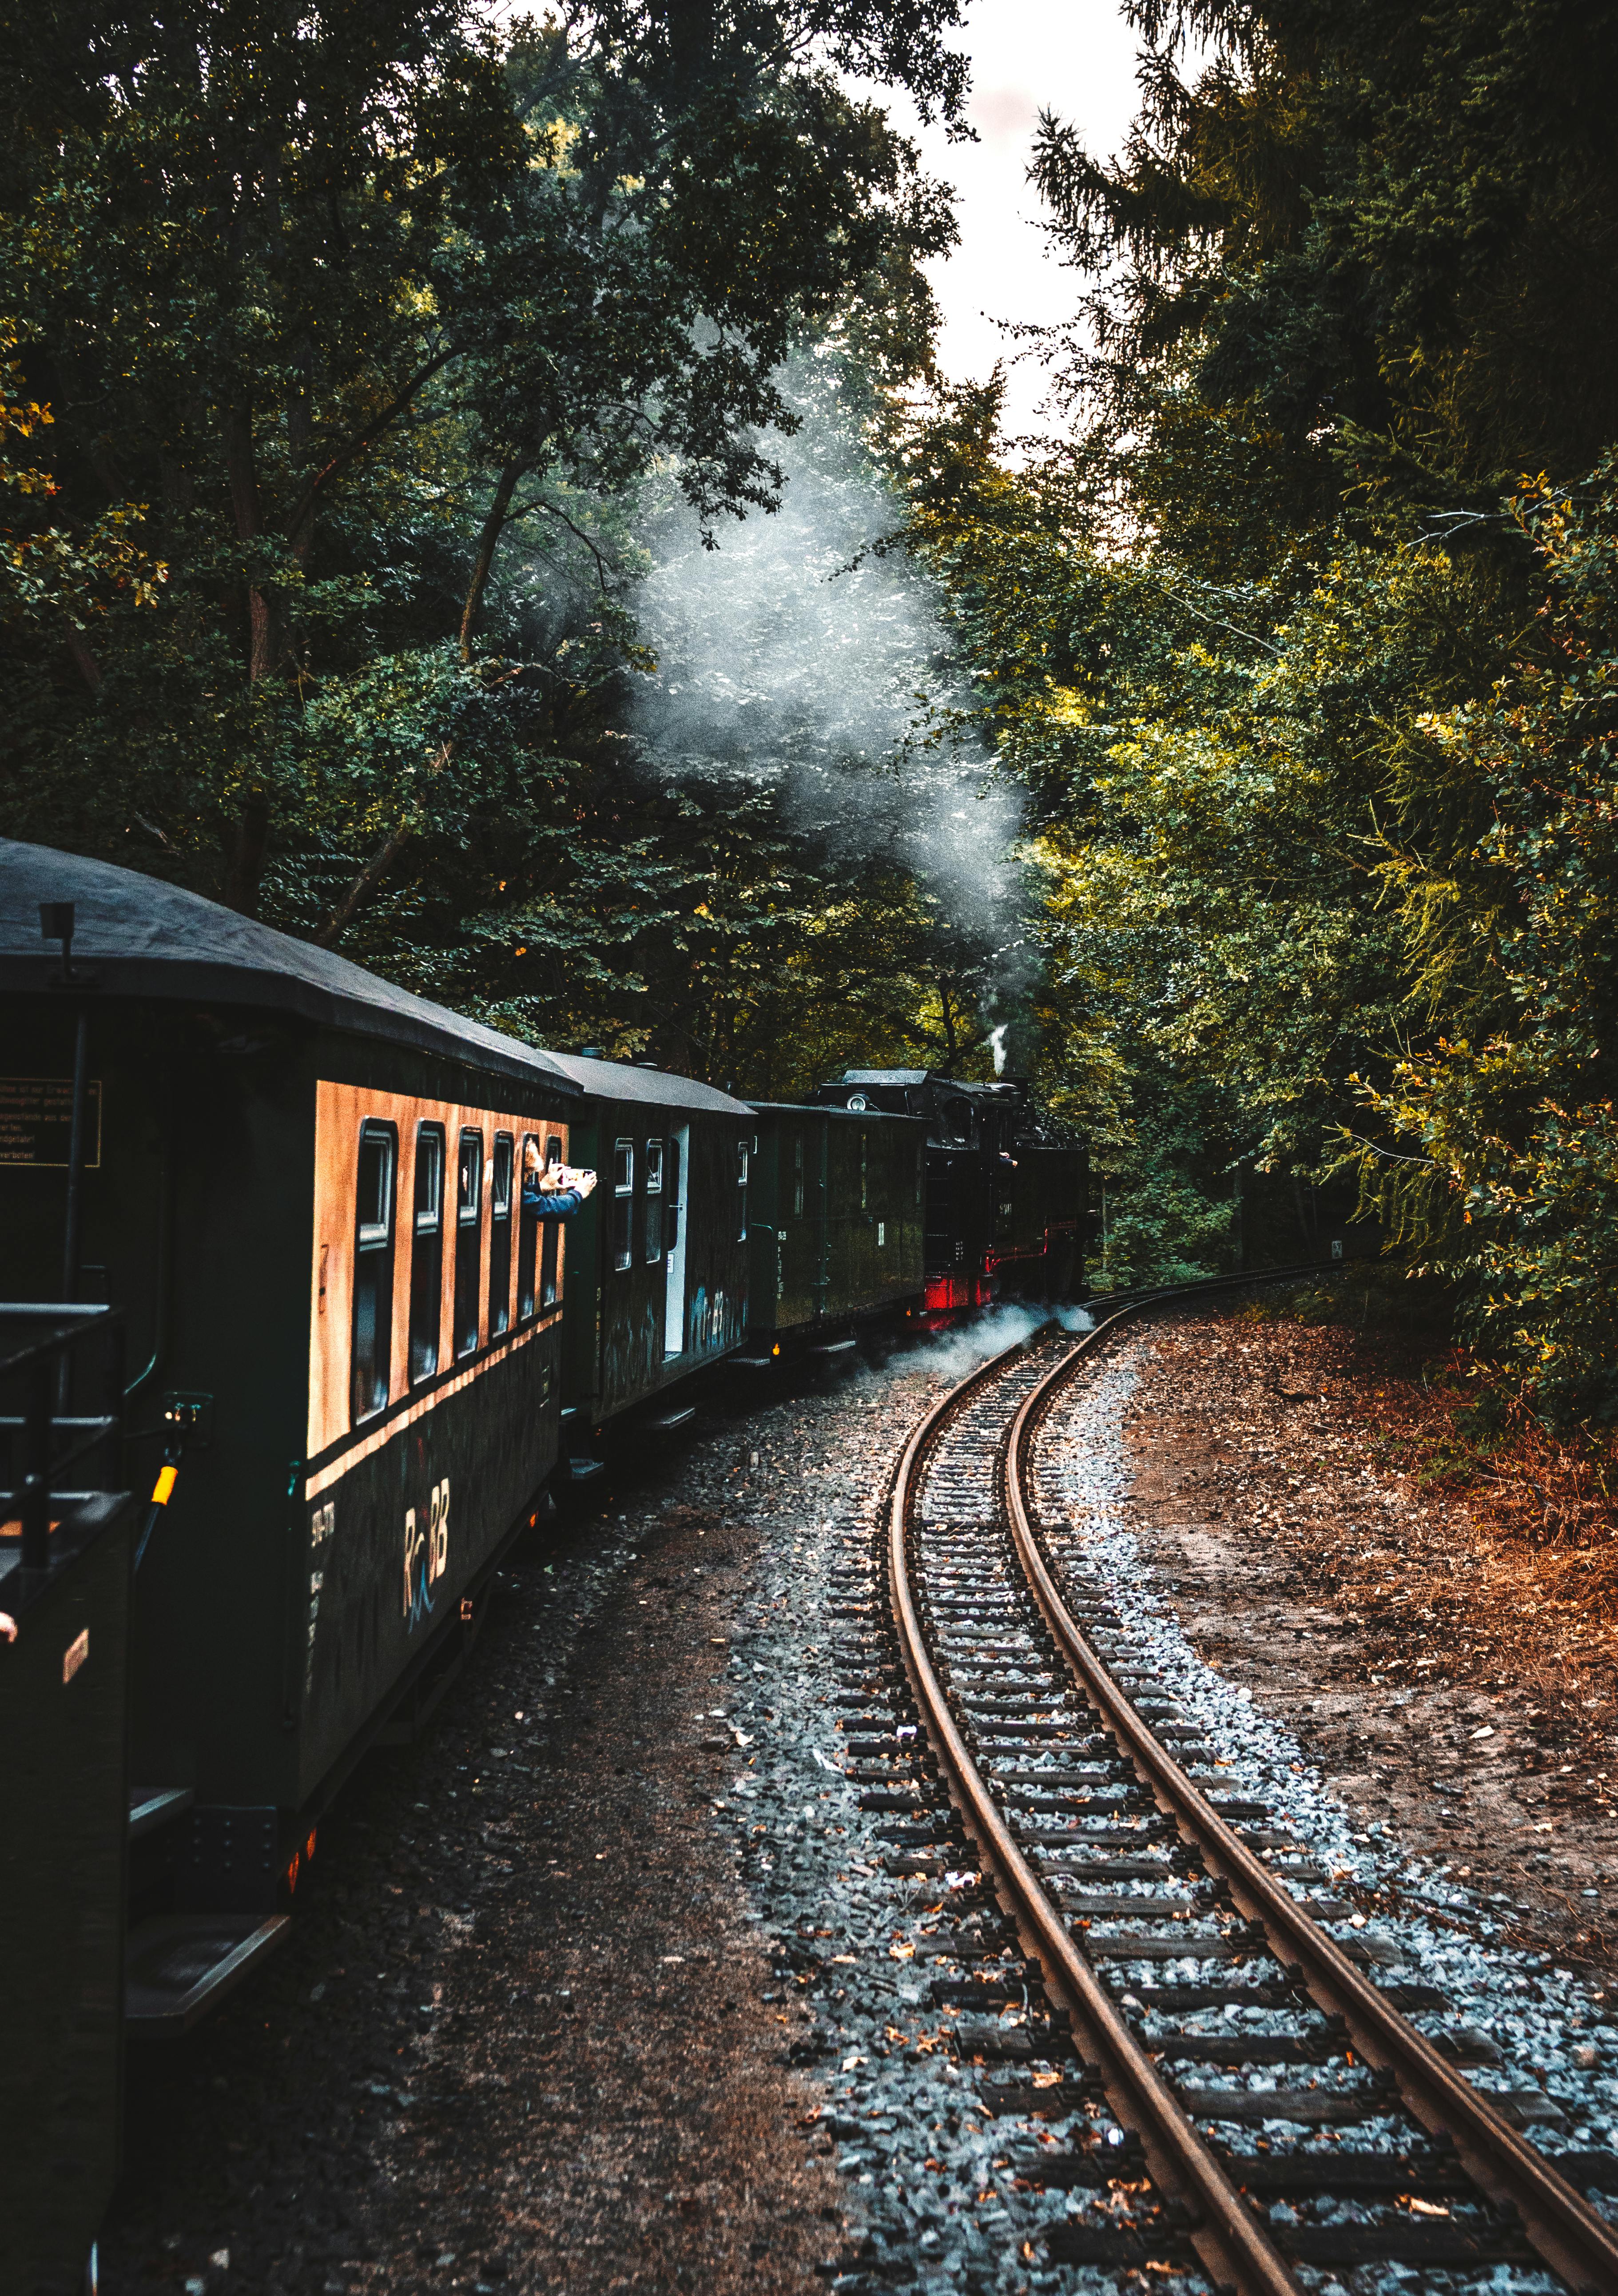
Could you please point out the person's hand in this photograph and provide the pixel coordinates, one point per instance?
(585, 1182)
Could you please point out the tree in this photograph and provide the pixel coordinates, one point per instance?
(319, 308)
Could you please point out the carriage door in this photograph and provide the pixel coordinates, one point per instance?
(674, 1240)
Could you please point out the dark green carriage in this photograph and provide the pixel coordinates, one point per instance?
(1006, 1193)
(65, 1542)
(836, 1228)
(658, 1261)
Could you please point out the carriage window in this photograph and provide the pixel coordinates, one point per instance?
(368, 1362)
(622, 1202)
(798, 1177)
(427, 1253)
(551, 1239)
(654, 1201)
(499, 1234)
(864, 1189)
(527, 1238)
(742, 1152)
(468, 1236)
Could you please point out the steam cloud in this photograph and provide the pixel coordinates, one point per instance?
(799, 655)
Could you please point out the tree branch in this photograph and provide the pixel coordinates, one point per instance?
(366, 885)
(488, 542)
(551, 511)
(304, 509)
(370, 879)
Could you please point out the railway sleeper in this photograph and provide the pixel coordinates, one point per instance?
(1164, 2247)
(1057, 2100)
(1113, 1869)
(1428, 2173)
(1401, 2241)
(1017, 1990)
(1237, 2049)
(1305, 2108)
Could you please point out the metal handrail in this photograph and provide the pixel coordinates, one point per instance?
(47, 1439)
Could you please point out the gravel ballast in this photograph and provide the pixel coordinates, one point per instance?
(619, 1981)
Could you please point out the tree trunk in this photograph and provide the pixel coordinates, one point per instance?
(249, 841)
(244, 477)
(88, 668)
(366, 885)
(948, 1020)
(247, 848)
(488, 542)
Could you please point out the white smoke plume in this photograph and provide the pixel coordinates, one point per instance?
(800, 653)
(955, 1353)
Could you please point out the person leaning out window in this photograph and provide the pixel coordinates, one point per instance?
(552, 1191)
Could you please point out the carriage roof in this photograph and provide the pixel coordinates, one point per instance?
(145, 938)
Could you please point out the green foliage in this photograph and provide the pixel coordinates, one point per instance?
(1314, 694)
(352, 358)
(1512, 1096)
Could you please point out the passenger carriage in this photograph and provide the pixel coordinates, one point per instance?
(837, 1227)
(300, 1185)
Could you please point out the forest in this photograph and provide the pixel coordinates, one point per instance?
(481, 496)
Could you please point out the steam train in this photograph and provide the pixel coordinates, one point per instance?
(359, 1372)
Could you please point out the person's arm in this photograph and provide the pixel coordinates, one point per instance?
(553, 1192)
(550, 1203)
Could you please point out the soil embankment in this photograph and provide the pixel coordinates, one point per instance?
(1440, 1642)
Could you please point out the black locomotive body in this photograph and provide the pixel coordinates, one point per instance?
(837, 1224)
(1005, 1198)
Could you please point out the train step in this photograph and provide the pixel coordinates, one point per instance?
(151, 1807)
(584, 1470)
(666, 1422)
(179, 1967)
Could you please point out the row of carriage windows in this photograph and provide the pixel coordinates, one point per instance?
(471, 1263)
(659, 1198)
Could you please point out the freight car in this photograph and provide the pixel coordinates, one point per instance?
(1005, 1192)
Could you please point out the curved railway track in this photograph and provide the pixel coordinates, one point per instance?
(1060, 1755)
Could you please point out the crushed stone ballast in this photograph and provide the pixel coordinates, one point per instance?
(998, 2091)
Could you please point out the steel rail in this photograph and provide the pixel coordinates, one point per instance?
(1568, 2234)
(1233, 2247)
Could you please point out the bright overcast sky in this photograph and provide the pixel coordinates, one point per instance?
(1077, 59)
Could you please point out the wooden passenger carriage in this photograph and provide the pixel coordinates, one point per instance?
(299, 1187)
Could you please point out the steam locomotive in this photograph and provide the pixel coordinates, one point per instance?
(358, 1373)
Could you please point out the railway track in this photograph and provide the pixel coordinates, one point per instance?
(1272, 2119)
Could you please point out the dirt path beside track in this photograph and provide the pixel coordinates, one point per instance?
(1402, 1641)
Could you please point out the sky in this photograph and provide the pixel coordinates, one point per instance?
(1075, 57)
